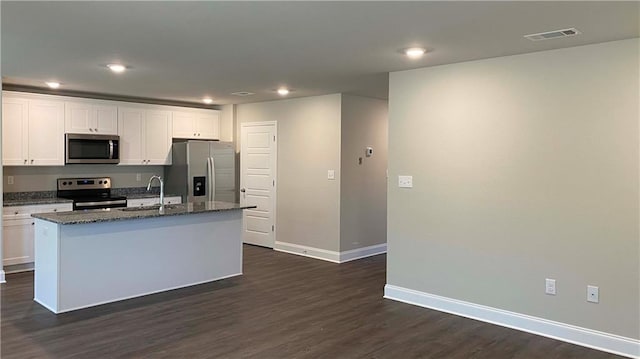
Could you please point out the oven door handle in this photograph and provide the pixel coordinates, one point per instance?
(110, 149)
(101, 203)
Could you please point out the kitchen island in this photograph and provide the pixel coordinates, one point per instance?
(88, 258)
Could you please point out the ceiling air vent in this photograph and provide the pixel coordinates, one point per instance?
(242, 93)
(553, 34)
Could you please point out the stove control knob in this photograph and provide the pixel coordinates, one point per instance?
(64, 183)
(99, 182)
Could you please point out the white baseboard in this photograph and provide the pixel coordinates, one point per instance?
(2, 278)
(363, 252)
(565, 332)
(330, 256)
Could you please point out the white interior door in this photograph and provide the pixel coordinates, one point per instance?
(258, 155)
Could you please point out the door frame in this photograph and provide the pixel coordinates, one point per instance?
(275, 172)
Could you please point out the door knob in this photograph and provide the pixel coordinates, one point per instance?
(243, 190)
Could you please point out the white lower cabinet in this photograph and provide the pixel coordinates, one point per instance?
(17, 241)
(17, 231)
(144, 202)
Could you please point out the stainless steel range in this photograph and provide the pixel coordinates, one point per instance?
(89, 193)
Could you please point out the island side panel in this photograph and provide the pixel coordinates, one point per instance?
(108, 261)
(46, 264)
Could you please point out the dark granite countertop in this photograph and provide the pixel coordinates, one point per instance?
(34, 201)
(119, 214)
(149, 195)
(11, 199)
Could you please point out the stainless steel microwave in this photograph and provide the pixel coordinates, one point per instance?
(81, 148)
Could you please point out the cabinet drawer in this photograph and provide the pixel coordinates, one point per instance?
(173, 200)
(143, 202)
(17, 212)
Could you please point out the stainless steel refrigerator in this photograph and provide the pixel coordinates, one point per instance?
(202, 171)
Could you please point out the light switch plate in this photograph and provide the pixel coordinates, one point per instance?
(550, 286)
(405, 181)
(9, 179)
(593, 294)
(331, 174)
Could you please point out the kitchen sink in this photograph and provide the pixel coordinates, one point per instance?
(148, 208)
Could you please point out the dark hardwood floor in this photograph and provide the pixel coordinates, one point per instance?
(284, 306)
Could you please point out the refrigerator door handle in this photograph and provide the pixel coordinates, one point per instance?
(211, 173)
(208, 178)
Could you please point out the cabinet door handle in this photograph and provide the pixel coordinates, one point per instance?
(16, 212)
(25, 162)
(95, 129)
(195, 134)
(90, 129)
(55, 210)
(32, 161)
(32, 223)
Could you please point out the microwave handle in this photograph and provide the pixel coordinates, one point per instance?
(110, 149)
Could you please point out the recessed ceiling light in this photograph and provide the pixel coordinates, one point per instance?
(415, 52)
(282, 91)
(53, 84)
(117, 68)
(207, 100)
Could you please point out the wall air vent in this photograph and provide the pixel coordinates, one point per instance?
(553, 34)
(242, 93)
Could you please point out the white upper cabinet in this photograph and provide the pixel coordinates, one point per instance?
(196, 124)
(130, 129)
(145, 136)
(33, 127)
(157, 132)
(90, 117)
(32, 131)
(15, 128)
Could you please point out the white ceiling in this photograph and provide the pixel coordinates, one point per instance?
(183, 51)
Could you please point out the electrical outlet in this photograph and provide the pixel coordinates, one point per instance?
(331, 174)
(405, 181)
(9, 179)
(138, 177)
(550, 286)
(593, 294)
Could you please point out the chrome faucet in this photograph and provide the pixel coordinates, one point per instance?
(161, 209)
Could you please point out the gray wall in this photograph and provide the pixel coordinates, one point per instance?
(308, 204)
(227, 123)
(524, 168)
(363, 187)
(38, 178)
